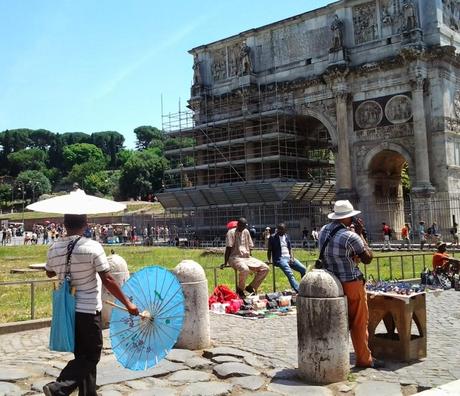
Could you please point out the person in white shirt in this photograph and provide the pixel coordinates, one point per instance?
(89, 270)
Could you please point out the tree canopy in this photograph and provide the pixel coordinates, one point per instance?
(44, 161)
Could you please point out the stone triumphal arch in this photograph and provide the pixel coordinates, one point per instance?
(332, 103)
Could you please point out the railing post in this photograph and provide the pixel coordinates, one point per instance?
(215, 277)
(413, 266)
(378, 268)
(274, 280)
(391, 269)
(32, 300)
(402, 267)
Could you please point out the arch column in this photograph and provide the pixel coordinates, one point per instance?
(344, 185)
(422, 166)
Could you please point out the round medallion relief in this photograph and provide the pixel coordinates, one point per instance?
(398, 109)
(457, 104)
(368, 114)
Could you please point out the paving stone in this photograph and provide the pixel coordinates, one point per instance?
(137, 384)
(189, 376)
(297, 388)
(253, 361)
(9, 389)
(379, 388)
(110, 372)
(52, 372)
(180, 355)
(225, 359)
(252, 382)
(154, 391)
(283, 373)
(210, 353)
(9, 374)
(226, 370)
(261, 393)
(198, 363)
(343, 388)
(109, 392)
(38, 385)
(212, 388)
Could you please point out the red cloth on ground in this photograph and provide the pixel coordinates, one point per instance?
(222, 294)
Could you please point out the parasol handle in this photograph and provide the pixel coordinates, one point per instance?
(143, 314)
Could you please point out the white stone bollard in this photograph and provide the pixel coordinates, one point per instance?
(119, 271)
(322, 329)
(196, 330)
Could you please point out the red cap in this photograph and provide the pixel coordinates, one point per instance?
(232, 224)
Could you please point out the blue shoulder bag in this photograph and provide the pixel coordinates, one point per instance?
(62, 336)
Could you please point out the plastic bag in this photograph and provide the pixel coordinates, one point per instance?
(62, 336)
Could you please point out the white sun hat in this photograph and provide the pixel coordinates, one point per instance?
(342, 210)
(77, 203)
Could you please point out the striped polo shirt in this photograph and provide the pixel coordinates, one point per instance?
(88, 258)
(340, 251)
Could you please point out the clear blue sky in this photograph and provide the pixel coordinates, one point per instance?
(94, 65)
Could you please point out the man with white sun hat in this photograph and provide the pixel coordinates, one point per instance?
(340, 257)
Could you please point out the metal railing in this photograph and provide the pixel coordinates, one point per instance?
(406, 266)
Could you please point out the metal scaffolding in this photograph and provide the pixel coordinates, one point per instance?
(248, 152)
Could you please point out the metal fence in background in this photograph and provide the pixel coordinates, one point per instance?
(402, 267)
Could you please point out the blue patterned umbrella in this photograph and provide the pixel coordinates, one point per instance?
(140, 342)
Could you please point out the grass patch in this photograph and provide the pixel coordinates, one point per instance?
(15, 300)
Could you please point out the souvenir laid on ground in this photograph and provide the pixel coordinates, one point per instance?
(225, 301)
(140, 342)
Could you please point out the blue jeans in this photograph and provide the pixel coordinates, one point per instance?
(287, 266)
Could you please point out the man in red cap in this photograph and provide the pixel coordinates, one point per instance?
(238, 255)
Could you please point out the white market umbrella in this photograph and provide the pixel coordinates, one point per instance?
(77, 203)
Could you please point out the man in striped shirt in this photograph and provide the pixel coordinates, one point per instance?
(341, 255)
(89, 270)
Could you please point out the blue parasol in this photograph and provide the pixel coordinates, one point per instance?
(140, 342)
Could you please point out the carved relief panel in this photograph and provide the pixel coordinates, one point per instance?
(219, 64)
(365, 22)
(451, 14)
(391, 17)
(384, 111)
(457, 104)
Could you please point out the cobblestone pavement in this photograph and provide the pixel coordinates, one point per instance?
(265, 349)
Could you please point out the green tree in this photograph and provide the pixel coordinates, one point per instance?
(148, 136)
(55, 152)
(123, 156)
(97, 183)
(81, 153)
(75, 137)
(5, 194)
(28, 159)
(142, 174)
(41, 138)
(110, 142)
(10, 141)
(35, 183)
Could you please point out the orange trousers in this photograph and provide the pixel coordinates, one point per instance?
(358, 318)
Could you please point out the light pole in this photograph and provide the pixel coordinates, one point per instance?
(22, 188)
(12, 198)
(33, 185)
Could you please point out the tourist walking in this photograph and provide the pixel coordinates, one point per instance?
(238, 245)
(422, 234)
(280, 253)
(341, 254)
(406, 236)
(88, 265)
(386, 232)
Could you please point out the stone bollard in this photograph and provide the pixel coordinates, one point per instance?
(196, 330)
(119, 271)
(322, 329)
